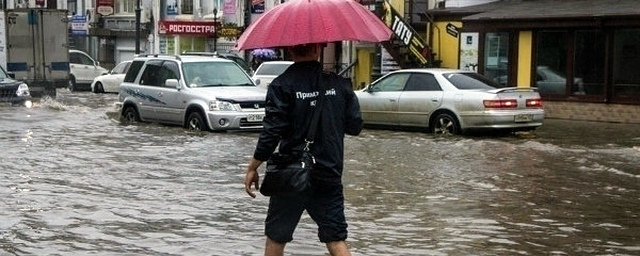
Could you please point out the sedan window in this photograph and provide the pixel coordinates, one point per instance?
(120, 68)
(470, 81)
(422, 82)
(268, 69)
(391, 83)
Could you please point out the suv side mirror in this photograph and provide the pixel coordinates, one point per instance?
(257, 81)
(172, 83)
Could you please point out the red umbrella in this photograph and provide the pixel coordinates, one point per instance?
(314, 21)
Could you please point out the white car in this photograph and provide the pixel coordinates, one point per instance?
(448, 101)
(269, 70)
(111, 81)
(83, 69)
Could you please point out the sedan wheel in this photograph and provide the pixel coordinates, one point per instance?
(98, 88)
(445, 124)
(130, 115)
(195, 122)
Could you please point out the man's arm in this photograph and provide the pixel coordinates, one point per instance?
(252, 177)
(275, 122)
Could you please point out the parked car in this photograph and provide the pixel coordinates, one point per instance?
(269, 70)
(197, 92)
(13, 92)
(111, 81)
(447, 101)
(83, 69)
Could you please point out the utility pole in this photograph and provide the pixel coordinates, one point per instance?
(215, 32)
(247, 21)
(138, 10)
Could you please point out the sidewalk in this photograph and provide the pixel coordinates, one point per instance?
(589, 132)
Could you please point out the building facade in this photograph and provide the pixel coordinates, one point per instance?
(581, 55)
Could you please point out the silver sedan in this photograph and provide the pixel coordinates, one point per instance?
(448, 101)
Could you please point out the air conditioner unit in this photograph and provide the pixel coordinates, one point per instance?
(145, 15)
(92, 16)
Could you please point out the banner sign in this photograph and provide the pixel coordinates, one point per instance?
(229, 7)
(79, 25)
(257, 6)
(452, 30)
(409, 37)
(186, 28)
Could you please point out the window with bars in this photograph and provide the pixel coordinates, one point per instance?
(125, 6)
(186, 7)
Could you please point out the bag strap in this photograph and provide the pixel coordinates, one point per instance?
(315, 119)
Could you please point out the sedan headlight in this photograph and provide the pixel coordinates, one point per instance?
(219, 105)
(23, 90)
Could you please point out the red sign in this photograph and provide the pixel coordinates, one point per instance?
(104, 7)
(186, 28)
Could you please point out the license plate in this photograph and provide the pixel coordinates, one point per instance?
(523, 118)
(255, 117)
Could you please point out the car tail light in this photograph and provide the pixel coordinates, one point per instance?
(500, 103)
(534, 103)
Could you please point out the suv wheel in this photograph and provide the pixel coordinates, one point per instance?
(130, 115)
(72, 83)
(195, 122)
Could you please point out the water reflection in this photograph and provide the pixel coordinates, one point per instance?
(76, 182)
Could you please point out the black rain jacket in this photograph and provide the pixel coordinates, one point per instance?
(289, 107)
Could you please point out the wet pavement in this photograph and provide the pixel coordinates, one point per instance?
(77, 182)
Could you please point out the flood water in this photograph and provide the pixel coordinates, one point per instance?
(74, 181)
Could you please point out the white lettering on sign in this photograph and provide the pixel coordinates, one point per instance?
(401, 30)
(185, 28)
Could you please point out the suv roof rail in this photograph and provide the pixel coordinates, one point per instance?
(158, 55)
(210, 54)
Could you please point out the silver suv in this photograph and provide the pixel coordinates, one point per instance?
(198, 93)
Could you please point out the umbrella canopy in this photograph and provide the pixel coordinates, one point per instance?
(314, 21)
(264, 53)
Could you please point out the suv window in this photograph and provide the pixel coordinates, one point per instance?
(206, 74)
(132, 73)
(151, 73)
(169, 70)
(78, 58)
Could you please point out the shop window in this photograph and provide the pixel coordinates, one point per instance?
(193, 44)
(551, 62)
(589, 61)
(126, 6)
(496, 57)
(186, 7)
(626, 60)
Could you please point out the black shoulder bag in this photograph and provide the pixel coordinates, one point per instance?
(289, 175)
